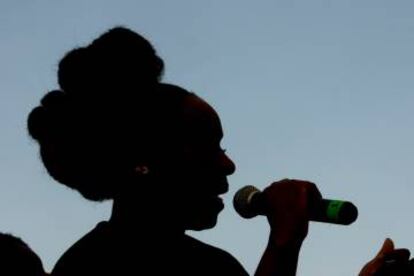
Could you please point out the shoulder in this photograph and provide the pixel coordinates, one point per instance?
(90, 248)
(100, 253)
(211, 259)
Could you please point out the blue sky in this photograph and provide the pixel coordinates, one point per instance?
(315, 90)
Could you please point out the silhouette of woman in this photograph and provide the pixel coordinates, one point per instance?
(115, 131)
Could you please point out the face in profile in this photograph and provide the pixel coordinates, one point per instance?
(203, 166)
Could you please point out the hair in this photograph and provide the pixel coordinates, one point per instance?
(17, 258)
(110, 112)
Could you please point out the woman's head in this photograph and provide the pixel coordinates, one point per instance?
(113, 114)
(203, 165)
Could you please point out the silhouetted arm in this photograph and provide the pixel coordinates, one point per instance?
(288, 203)
(278, 261)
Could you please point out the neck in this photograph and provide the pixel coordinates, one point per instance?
(135, 216)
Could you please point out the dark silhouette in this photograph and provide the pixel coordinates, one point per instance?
(114, 131)
(17, 258)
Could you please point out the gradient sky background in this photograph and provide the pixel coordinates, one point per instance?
(318, 90)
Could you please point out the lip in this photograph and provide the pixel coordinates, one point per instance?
(222, 191)
(215, 188)
(223, 188)
(219, 202)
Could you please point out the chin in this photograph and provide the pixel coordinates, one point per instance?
(202, 223)
(201, 227)
(203, 214)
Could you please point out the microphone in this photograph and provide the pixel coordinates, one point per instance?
(249, 202)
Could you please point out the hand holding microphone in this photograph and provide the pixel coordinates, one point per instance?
(289, 206)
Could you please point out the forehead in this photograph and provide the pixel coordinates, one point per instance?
(200, 117)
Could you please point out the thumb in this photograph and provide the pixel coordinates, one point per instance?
(387, 247)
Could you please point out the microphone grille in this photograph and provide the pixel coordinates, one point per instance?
(242, 201)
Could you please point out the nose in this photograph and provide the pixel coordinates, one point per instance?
(227, 164)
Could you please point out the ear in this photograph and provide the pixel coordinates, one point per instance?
(142, 170)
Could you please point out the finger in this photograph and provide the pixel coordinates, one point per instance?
(400, 255)
(314, 195)
(306, 187)
(387, 247)
(310, 188)
(395, 263)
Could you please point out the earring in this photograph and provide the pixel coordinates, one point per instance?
(142, 170)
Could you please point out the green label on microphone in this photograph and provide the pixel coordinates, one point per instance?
(333, 209)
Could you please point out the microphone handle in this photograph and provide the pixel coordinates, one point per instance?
(325, 210)
(334, 211)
